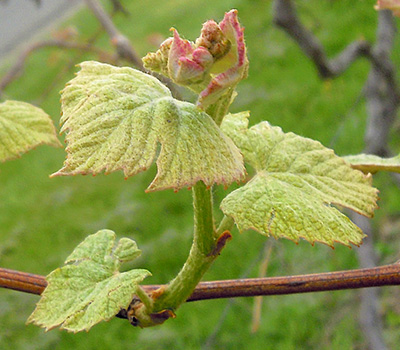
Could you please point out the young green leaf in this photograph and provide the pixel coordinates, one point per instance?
(23, 127)
(89, 288)
(296, 183)
(369, 163)
(116, 117)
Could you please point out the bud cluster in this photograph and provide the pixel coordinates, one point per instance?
(210, 66)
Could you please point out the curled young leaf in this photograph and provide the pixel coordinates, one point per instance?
(117, 117)
(369, 163)
(89, 288)
(297, 182)
(23, 127)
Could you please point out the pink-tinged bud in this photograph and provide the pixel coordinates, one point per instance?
(186, 63)
(393, 5)
(211, 66)
(213, 40)
(232, 67)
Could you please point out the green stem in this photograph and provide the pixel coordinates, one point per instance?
(207, 245)
(200, 255)
(219, 109)
(207, 242)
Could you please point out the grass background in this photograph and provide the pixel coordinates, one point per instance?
(43, 219)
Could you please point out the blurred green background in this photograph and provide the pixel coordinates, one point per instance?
(43, 219)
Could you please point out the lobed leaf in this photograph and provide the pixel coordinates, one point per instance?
(117, 117)
(23, 127)
(369, 163)
(297, 182)
(89, 288)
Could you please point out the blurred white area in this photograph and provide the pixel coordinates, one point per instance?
(21, 20)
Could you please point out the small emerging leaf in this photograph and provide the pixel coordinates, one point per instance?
(116, 117)
(23, 127)
(369, 163)
(89, 288)
(297, 182)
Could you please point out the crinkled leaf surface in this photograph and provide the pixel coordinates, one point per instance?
(89, 288)
(117, 117)
(297, 182)
(23, 127)
(369, 163)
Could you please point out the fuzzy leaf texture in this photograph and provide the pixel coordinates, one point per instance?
(23, 127)
(369, 163)
(117, 117)
(297, 180)
(89, 288)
